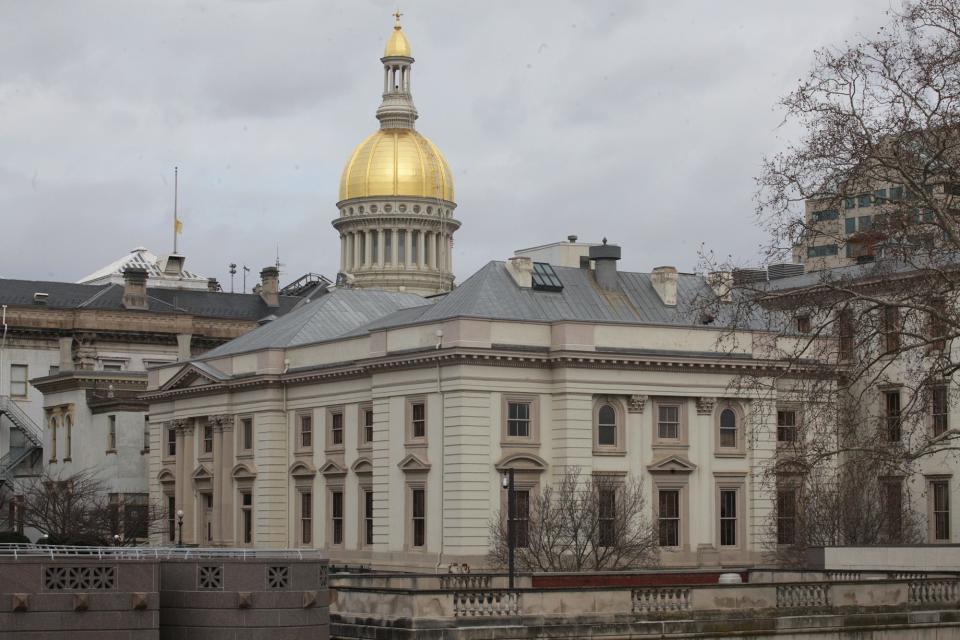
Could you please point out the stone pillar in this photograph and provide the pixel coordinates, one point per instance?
(227, 492)
(66, 353)
(407, 246)
(368, 259)
(355, 263)
(343, 252)
(185, 464)
(181, 489)
(215, 520)
(394, 255)
(386, 79)
(183, 346)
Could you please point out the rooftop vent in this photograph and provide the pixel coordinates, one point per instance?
(545, 278)
(40, 298)
(746, 276)
(778, 271)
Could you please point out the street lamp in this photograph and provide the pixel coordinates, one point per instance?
(180, 527)
(511, 529)
(116, 539)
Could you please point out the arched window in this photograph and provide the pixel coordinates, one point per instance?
(53, 439)
(728, 429)
(607, 426)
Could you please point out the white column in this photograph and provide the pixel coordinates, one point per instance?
(386, 78)
(421, 244)
(343, 252)
(368, 238)
(394, 256)
(407, 260)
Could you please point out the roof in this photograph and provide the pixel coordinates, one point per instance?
(330, 316)
(143, 258)
(67, 295)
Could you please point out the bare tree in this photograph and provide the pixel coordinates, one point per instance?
(77, 509)
(580, 524)
(864, 359)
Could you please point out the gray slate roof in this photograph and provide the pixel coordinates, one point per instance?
(67, 295)
(330, 316)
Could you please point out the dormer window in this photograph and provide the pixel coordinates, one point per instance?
(545, 278)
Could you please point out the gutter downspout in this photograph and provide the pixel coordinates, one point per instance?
(442, 450)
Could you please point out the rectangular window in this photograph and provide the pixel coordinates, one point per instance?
(892, 496)
(112, 365)
(419, 516)
(171, 441)
(336, 517)
(803, 324)
(207, 515)
(864, 223)
(863, 200)
(207, 438)
(845, 331)
(387, 246)
(171, 518)
(368, 517)
(822, 250)
(414, 247)
(336, 429)
(891, 328)
(18, 380)
(367, 426)
(941, 509)
(112, 433)
(401, 246)
(146, 434)
(54, 370)
(306, 517)
(892, 415)
(849, 203)
(728, 518)
(825, 215)
(940, 410)
(518, 419)
(608, 513)
(896, 193)
(850, 225)
(246, 521)
(938, 324)
(521, 518)
(246, 433)
(668, 422)
(418, 420)
(374, 247)
(786, 426)
(786, 516)
(306, 431)
(668, 515)
(880, 196)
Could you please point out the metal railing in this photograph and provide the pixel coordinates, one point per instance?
(21, 420)
(17, 551)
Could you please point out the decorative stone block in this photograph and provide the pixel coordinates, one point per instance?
(20, 601)
(244, 599)
(705, 406)
(636, 403)
(309, 599)
(81, 602)
(139, 601)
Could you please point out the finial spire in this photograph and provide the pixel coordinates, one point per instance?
(397, 14)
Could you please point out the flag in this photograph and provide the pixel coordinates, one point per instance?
(177, 225)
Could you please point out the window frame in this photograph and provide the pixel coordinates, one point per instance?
(619, 446)
(409, 420)
(25, 382)
(780, 518)
(739, 429)
(892, 421)
(334, 490)
(604, 490)
(935, 531)
(330, 438)
(205, 430)
(242, 421)
(170, 445)
(533, 401)
(245, 512)
(793, 428)
(682, 422)
(305, 518)
(411, 517)
(302, 418)
(890, 324)
(942, 416)
(678, 518)
(731, 482)
(367, 523)
(362, 411)
(111, 433)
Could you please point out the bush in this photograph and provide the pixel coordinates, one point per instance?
(13, 537)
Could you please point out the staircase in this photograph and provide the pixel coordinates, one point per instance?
(32, 446)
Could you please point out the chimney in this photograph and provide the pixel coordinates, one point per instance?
(605, 258)
(665, 284)
(270, 285)
(521, 269)
(135, 288)
(722, 284)
(212, 285)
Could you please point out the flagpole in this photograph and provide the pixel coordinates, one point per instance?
(175, 220)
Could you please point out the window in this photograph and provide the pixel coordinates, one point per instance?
(68, 424)
(608, 512)
(387, 246)
(418, 420)
(728, 429)
(845, 332)
(544, 278)
(336, 517)
(336, 429)
(668, 516)
(822, 250)
(938, 324)
(880, 196)
(401, 246)
(146, 434)
(367, 517)
(891, 328)
(786, 516)
(863, 200)
(111, 433)
(849, 203)
(53, 370)
(850, 225)
(825, 215)
(18, 380)
(941, 509)
(728, 517)
(896, 193)
(940, 410)
(418, 511)
(521, 518)
(53, 439)
(864, 223)
(414, 247)
(518, 419)
(171, 441)
(803, 324)
(246, 516)
(208, 438)
(668, 422)
(892, 414)
(306, 430)
(892, 496)
(786, 426)
(171, 518)
(306, 517)
(246, 434)
(607, 426)
(366, 422)
(374, 247)
(112, 365)
(207, 528)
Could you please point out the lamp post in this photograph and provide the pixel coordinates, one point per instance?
(116, 539)
(511, 529)
(180, 527)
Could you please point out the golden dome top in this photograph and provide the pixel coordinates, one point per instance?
(396, 162)
(397, 45)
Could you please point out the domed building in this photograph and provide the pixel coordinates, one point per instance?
(396, 201)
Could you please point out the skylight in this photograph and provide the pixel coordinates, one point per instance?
(545, 278)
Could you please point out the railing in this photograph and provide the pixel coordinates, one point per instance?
(23, 422)
(844, 576)
(660, 599)
(17, 551)
(464, 581)
(803, 595)
(934, 591)
(486, 603)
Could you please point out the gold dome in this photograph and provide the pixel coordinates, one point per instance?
(396, 162)
(397, 45)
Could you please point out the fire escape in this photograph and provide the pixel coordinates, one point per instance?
(26, 441)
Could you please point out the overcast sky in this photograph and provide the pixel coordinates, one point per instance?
(642, 121)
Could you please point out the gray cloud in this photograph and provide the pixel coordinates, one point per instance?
(641, 121)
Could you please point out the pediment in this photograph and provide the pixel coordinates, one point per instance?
(166, 477)
(201, 473)
(413, 464)
(244, 471)
(363, 466)
(521, 462)
(300, 469)
(672, 464)
(191, 376)
(330, 468)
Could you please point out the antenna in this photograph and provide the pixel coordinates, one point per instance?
(278, 263)
(176, 220)
(233, 272)
(245, 270)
